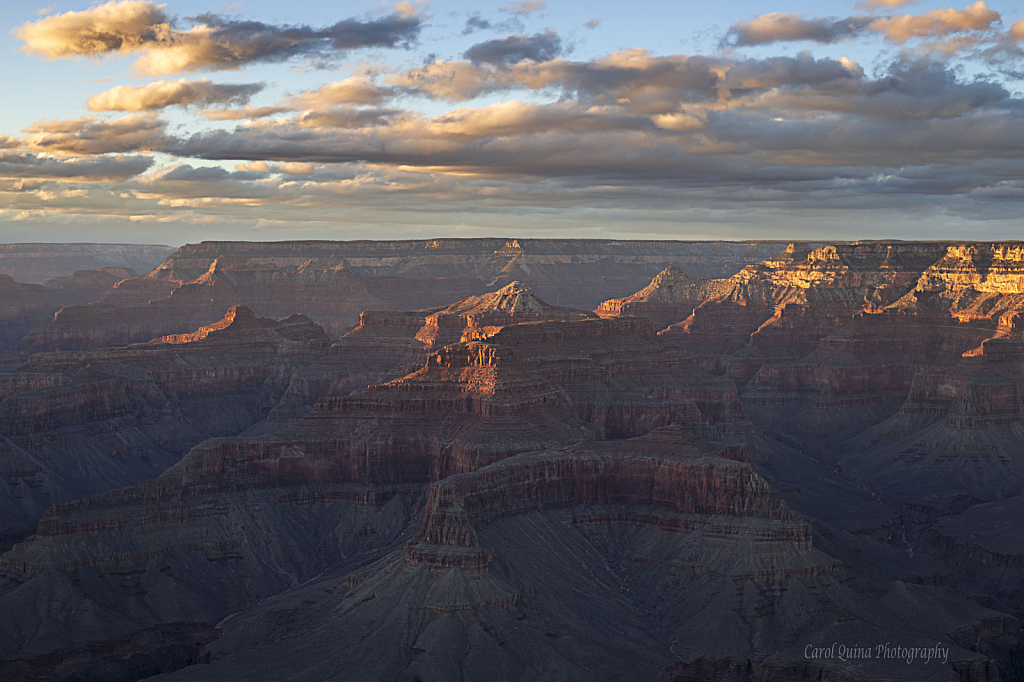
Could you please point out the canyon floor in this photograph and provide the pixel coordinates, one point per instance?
(501, 459)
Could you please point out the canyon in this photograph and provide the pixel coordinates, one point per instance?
(35, 263)
(516, 460)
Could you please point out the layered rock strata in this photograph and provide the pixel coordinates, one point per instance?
(331, 282)
(389, 344)
(580, 489)
(780, 308)
(75, 424)
(679, 484)
(573, 272)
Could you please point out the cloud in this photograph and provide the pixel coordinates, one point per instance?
(242, 113)
(632, 75)
(214, 42)
(297, 168)
(879, 4)
(476, 23)
(1017, 30)
(162, 94)
(937, 23)
(127, 26)
(782, 27)
(524, 7)
(633, 118)
(253, 167)
(346, 117)
(540, 47)
(89, 169)
(634, 79)
(778, 26)
(629, 134)
(89, 135)
(352, 90)
(593, 23)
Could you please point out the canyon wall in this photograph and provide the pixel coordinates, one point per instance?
(34, 263)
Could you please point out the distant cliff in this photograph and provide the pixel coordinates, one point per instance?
(37, 263)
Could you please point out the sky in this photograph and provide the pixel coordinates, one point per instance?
(143, 122)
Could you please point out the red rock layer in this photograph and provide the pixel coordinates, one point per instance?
(388, 345)
(331, 282)
(966, 304)
(669, 298)
(668, 470)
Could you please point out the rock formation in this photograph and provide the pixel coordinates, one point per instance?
(26, 306)
(331, 282)
(75, 424)
(505, 489)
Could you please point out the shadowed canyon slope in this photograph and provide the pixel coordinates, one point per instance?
(75, 424)
(23, 307)
(697, 481)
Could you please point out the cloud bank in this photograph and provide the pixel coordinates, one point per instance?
(516, 123)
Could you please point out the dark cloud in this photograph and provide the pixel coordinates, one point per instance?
(276, 43)
(89, 135)
(476, 23)
(214, 42)
(347, 117)
(90, 169)
(539, 47)
(630, 133)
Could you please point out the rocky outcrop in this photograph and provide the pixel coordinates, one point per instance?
(387, 344)
(926, 391)
(779, 309)
(329, 292)
(573, 272)
(669, 298)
